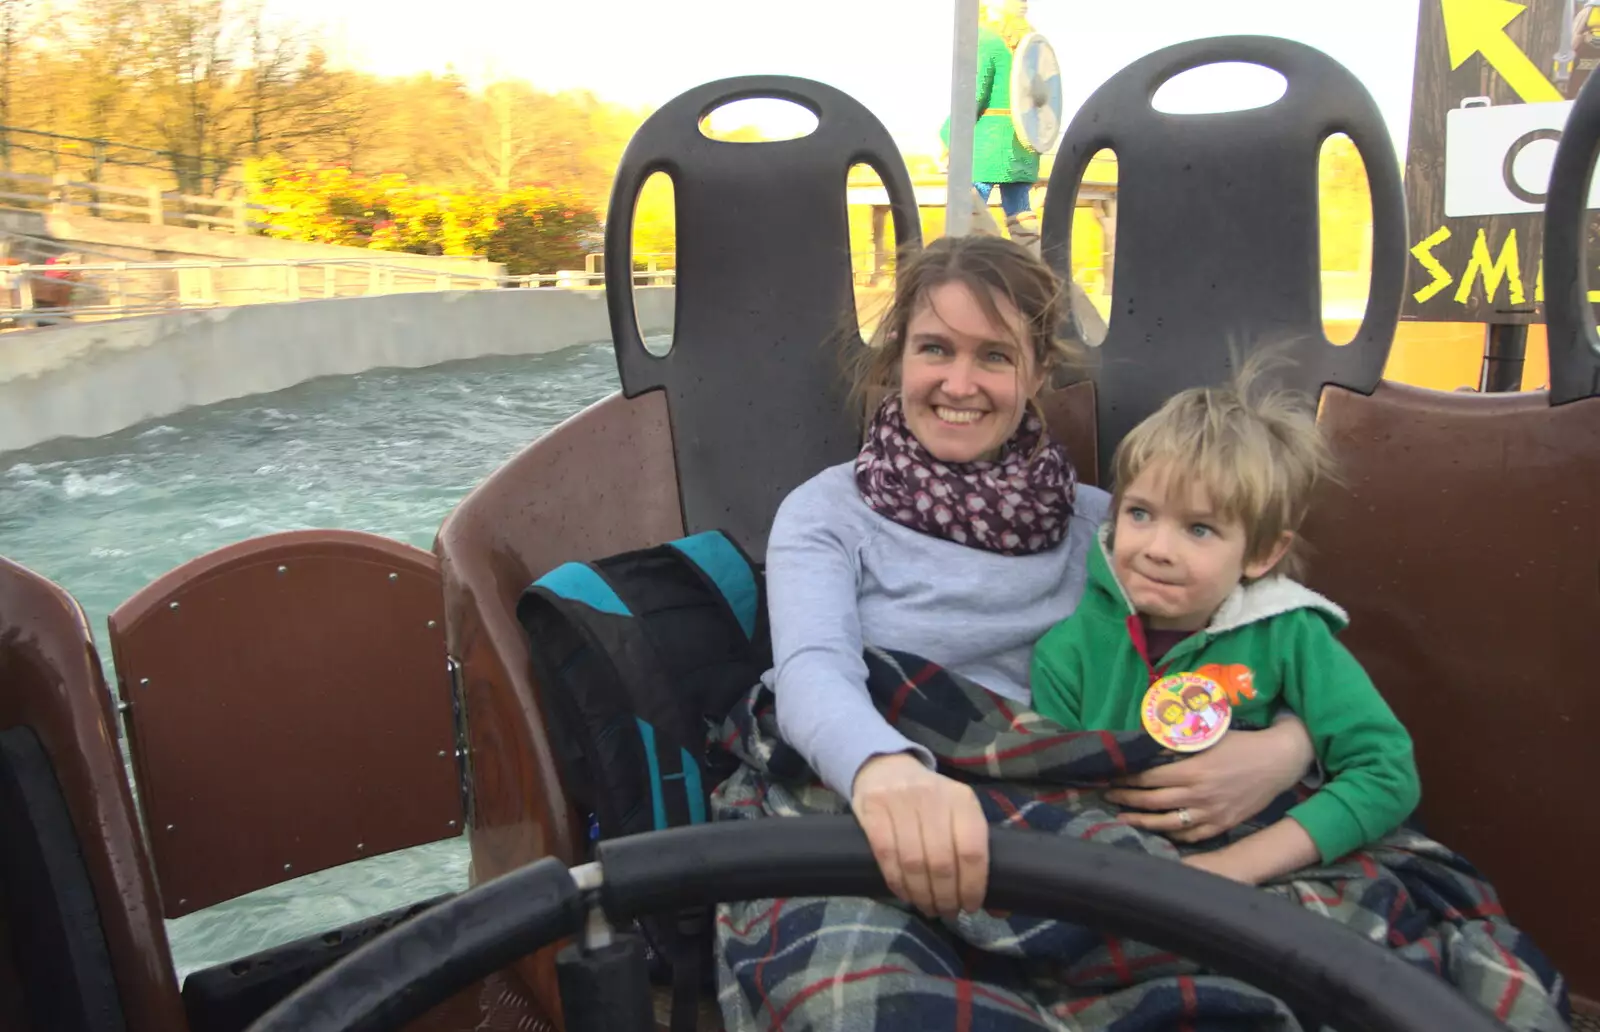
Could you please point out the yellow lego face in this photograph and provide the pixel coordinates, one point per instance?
(1171, 713)
(1198, 701)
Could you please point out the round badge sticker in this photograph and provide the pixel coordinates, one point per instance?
(1186, 712)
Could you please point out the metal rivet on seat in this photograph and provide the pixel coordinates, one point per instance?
(144, 682)
(283, 569)
(394, 576)
(433, 623)
(172, 605)
(452, 824)
(171, 827)
(288, 867)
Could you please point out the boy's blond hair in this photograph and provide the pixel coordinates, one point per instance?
(1257, 453)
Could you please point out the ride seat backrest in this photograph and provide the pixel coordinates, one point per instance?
(1463, 549)
(764, 286)
(288, 709)
(1218, 250)
(54, 704)
(600, 483)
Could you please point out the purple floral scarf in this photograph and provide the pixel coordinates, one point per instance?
(1017, 504)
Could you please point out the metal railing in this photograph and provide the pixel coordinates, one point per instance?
(62, 195)
(31, 294)
(34, 293)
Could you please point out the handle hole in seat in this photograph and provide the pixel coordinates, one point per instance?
(1223, 86)
(758, 120)
(1094, 243)
(1344, 205)
(654, 261)
(873, 245)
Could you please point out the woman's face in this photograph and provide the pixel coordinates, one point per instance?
(964, 381)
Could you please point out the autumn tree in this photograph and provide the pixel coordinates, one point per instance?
(417, 124)
(189, 60)
(14, 26)
(102, 42)
(507, 137)
(198, 88)
(287, 95)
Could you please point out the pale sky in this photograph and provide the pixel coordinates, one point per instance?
(892, 55)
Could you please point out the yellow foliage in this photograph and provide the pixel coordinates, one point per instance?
(529, 229)
(655, 220)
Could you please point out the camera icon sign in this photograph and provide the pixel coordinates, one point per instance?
(1498, 159)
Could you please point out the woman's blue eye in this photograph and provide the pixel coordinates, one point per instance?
(1138, 514)
(1000, 357)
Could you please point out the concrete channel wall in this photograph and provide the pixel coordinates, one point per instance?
(92, 379)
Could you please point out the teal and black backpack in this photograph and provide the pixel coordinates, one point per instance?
(638, 657)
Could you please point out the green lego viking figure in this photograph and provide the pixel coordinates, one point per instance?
(999, 159)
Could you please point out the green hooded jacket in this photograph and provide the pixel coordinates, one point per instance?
(1271, 640)
(997, 155)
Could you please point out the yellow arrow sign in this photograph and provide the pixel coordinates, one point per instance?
(1479, 27)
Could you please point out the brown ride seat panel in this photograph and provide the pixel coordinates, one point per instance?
(1070, 413)
(51, 683)
(289, 711)
(1464, 551)
(602, 482)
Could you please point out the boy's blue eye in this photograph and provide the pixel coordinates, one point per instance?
(1200, 530)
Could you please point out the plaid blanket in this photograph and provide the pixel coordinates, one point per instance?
(874, 964)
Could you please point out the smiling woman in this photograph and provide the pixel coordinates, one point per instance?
(967, 341)
(964, 381)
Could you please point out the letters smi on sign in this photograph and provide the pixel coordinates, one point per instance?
(1494, 269)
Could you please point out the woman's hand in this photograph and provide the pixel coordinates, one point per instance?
(927, 832)
(1205, 795)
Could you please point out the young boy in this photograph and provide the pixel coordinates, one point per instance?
(1192, 578)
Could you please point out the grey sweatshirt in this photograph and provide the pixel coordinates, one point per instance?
(840, 576)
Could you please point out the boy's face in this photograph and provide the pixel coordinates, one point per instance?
(1175, 556)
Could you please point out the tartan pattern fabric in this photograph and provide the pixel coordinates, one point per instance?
(848, 963)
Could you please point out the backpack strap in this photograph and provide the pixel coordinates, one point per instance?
(732, 574)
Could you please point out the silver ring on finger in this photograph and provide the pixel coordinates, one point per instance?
(1185, 818)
